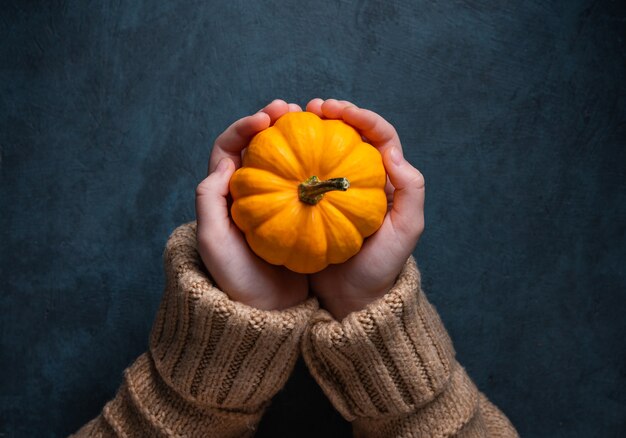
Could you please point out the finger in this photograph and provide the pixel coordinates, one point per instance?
(211, 201)
(346, 103)
(275, 109)
(315, 106)
(333, 108)
(294, 108)
(236, 137)
(376, 129)
(407, 212)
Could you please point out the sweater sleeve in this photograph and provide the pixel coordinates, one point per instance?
(213, 364)
(391, 370)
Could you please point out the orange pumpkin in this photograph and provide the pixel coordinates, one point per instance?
(308, 192)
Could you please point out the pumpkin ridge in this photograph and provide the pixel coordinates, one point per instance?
(274, 256)
(328, 223)
(326, 229)
(283, 153)
(288, 255)
(354, 166)
(310, 233)
(258, 178)
(273, 203)
(366, 228)
(307, 168)
(336, 146)
(301, 167)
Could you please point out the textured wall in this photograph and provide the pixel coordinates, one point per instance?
(514, 111)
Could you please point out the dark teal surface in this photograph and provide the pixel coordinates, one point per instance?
(514, 111)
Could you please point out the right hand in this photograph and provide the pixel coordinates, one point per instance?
(350, 286)
(238, 272)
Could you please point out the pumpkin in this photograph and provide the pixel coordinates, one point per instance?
(308, 192)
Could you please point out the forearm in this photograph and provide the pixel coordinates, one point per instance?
(146, 406)
(213, 365)
(391, 369)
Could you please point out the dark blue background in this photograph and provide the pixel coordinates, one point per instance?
(514, 111)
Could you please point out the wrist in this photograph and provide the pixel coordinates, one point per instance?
(261, 289)
(276, 301)
(264, 297)
(341, 305)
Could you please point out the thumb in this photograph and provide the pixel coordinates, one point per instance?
(407, 212)
(211, 200)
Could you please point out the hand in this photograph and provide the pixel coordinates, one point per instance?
(350, 286)
(238, 272)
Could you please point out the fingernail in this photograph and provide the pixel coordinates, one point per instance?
(222, 165)
(396, 156)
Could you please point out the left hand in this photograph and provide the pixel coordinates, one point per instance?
(238, 272)
(367, 276)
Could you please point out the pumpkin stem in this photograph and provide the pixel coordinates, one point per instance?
(312, 190)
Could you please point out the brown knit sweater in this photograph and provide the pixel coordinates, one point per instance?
(214, 364)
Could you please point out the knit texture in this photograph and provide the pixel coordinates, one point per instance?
(213, 364)
(391, 370)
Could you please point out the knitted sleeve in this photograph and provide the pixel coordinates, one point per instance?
(391, 370)
(213, 364)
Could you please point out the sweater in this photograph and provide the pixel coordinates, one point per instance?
(213, 364)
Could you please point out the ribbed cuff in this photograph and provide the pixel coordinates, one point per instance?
(146, 406)
(216, 352)
(452, 413)
(390, 358)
